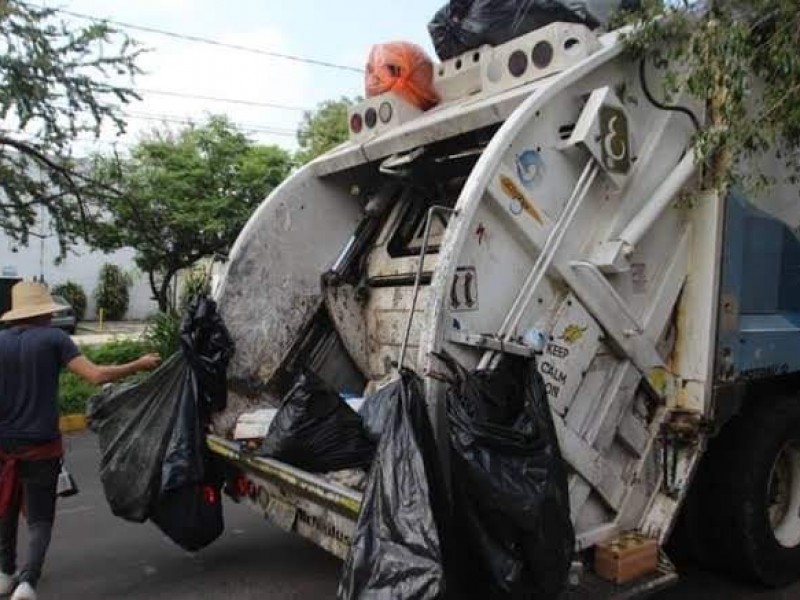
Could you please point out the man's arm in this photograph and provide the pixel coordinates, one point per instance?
(100, 374)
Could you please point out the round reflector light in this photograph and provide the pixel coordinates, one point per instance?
(518, 63)
(542, 55)
(371, 118)
(385, 112)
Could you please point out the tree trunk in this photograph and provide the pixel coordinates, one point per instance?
(151, 277)
(164, 304)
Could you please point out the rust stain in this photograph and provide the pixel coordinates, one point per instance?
(511, 189)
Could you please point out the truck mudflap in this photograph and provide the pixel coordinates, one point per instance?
(298, 502)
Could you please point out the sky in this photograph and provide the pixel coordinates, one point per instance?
(335, 31)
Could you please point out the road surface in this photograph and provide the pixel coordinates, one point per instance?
(96, 556)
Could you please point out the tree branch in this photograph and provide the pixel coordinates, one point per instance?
(32, 152)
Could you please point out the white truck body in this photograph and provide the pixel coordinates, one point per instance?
(568, 228)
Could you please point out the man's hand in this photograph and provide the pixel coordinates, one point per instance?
(149, 361)
(100, 374)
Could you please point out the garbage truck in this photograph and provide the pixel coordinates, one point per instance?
(549, 207)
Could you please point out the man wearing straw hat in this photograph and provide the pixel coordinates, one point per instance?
(31, 356)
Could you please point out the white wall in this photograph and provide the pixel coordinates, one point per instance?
(81, 265)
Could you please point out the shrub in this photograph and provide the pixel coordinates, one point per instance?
(163, 334)
(74, 391)
(195, 283)
(74, 294)
(112, 292)
(116, 352)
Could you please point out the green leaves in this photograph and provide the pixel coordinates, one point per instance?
(53, 89)
(740, 58)
(74, 294)
(323, 129)
(182, 196)
(111, 294)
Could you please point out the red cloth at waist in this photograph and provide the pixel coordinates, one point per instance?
(10, 482)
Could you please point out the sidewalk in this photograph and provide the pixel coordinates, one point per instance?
(89, 332)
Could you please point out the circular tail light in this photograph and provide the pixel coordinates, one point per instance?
(542, 55)
(356, 123)
(518, 63)
(240, 486)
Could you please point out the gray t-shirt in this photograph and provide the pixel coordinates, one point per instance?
(30, 361)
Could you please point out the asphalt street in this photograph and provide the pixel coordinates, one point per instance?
(96, 556)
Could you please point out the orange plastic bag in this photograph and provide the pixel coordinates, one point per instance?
(402, 68)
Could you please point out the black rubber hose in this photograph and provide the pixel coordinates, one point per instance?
(658, 104)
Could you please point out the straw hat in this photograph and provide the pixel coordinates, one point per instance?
(30, 300)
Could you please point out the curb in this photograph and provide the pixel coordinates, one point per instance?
(72, 423)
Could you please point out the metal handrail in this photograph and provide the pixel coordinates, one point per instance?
(417, 280)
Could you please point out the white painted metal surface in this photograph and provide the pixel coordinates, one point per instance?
(564, 228)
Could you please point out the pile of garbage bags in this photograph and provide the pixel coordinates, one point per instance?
(462, 25)
(504, 532)
(153, 459)
(510, 497)
(315, 430)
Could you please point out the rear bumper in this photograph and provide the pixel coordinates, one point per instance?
(298, 502)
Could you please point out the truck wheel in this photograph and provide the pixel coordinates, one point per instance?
(749, 494)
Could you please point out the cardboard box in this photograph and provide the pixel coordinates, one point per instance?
(626, 558)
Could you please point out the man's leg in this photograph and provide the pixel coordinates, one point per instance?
(39, 482)
(8, 539)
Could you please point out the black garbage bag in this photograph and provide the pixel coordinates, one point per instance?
(191, 515)
(208, 346)
(378, 409)
(400, 549)
(463, 25)
(183, 463)
(188, 508)
(134, 424)
(514, 535)
(151, 433)
(315, 430)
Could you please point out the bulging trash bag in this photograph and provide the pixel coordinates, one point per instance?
(151, 433)
(463, 25)
(402, 68)
(188, 507)
(510, 499)
(315, 430)
(134, 426)
(183, 462)
(400, 549)
(208, 347)
(191, 515)
(378, 408)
